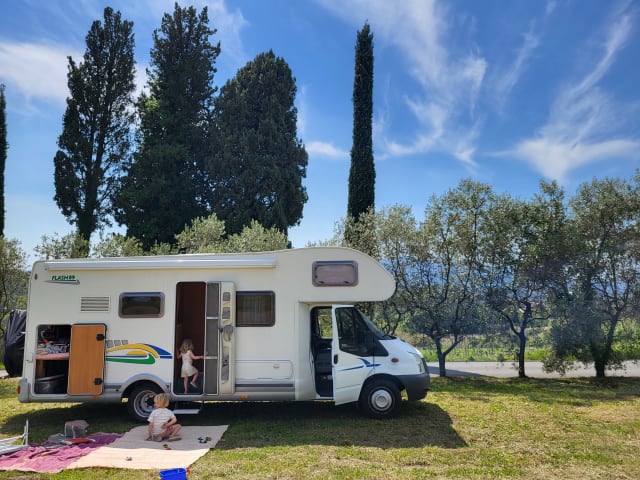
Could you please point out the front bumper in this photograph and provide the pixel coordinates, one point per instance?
(416, 386)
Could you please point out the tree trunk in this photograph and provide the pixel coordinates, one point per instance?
(523, 344)
(441, 359)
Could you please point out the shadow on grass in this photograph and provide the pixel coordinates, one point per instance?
(261, 424)
(256, 424)
(251, 424)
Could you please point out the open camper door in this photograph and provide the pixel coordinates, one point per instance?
(349, 370)
(86, 359)
(220, 335)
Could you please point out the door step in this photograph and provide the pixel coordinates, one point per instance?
(187, 408)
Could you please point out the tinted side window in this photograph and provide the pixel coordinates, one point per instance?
(335, 273)
(141, 304)
(255, 309)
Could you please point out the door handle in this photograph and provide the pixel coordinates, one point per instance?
(335, 359)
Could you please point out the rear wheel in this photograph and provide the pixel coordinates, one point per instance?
(140, 402)
(380, 399)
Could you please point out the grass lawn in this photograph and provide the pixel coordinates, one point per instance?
(476, 428)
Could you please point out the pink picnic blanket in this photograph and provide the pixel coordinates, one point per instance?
(37, 458)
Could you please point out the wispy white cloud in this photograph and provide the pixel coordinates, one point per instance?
(555, 159)
(465, 148)
(229, 24)
(36, 71)
(583, 119)
(328, 150)
(38, 68)
(473, 72)
(433, 119)
(450, 84)
(551, 6)
(507, 78)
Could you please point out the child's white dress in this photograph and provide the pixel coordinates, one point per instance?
(187, 365)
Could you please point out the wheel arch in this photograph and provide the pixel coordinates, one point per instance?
(134, 382)
(383, 376)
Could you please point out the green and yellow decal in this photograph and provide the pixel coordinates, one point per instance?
(137, 353)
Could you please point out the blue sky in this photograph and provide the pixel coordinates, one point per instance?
(503, 92)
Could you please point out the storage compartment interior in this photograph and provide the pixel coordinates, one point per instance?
(52, 359)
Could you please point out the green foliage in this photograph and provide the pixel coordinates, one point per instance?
(258, 162)
(523, 255)
(256, 238)
(165, 185)
(396, 233)
(72, 245)
(95, 139)
(362, 174)
(203, 235)
(443, 279)
(497, 266)
(116, 245)
(13, 279)
(361, 233)
(207, 235)
(602, 285)
(627, 339)
(162, 249)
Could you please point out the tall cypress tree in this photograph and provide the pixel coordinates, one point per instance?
(95, 139)
(362, 174)
(166, 185)
(4, 146)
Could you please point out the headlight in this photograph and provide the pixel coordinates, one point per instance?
(420, 361)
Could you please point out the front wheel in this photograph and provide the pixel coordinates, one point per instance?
(140, 402)
(380, 399)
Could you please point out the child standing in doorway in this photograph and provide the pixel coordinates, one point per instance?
(188, 370)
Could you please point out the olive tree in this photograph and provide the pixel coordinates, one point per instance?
(397, 236)
(443, 278)
(522, 258)
(602, 283)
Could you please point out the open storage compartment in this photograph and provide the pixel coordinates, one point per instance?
(52, 359)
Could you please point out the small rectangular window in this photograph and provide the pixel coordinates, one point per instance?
(141, 304)
(255, 309)
(336, 273)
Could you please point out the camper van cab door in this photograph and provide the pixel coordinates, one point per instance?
(350, 367)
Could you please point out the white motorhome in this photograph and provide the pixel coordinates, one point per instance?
(271, 326)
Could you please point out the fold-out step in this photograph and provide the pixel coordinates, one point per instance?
(187, 408)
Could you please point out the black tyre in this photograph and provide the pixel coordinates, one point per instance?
(140, 402)
(13, 357)
(380, 399)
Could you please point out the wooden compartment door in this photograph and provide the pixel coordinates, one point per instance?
(86, 359)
